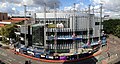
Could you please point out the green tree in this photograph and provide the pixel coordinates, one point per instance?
(117, 31)
(109, 26)
(112, 26)
(8, 31)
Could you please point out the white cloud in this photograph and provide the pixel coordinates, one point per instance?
(6, 8)
(10, 5)
(111, 6)
(77, 6)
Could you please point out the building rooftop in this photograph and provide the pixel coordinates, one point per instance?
(19, 19)
(1, 25)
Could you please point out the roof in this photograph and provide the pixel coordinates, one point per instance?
(15, 20)
(36, 25)
(5, 22)
(1, 25)
(12, 20)
(19, 19)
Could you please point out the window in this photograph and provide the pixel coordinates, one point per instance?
(97, 23)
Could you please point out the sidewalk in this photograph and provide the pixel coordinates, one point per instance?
(111, 58)
(5, 46)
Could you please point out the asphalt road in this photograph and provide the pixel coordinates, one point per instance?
(112, 56)
(114, 49)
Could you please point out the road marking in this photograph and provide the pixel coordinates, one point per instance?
(112, 58)
(3, 54)
(11, 58)
(7, 61)
(20, 62)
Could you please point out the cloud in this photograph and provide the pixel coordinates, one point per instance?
(36, 5)
(9, 8)
(12, 1)
(77, 7)
(49, 3)
(110, 7)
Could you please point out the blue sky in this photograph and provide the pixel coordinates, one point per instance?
(66, 3)
(110, 7)
(9, 5)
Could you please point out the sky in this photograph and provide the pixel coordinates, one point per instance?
(110, 7)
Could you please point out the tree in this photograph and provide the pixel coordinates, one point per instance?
(117, 31)
(109, 26)
(112, 26)
(8, 31)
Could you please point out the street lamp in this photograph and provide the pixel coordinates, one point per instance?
(55, 41)
(25, 26)
(100, 21)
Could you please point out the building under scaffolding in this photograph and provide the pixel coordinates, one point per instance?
(66, 33)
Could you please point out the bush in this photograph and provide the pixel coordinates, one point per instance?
(4, 41)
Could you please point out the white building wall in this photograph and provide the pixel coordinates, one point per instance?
(82, 20)
(23, 29)
(58, 15)
(96, 29)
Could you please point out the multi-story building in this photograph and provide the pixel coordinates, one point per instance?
(66, 32)
(3, 16)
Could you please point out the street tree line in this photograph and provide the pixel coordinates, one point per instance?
(7, 32)
(112, 26)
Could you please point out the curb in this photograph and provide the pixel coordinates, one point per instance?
(62, 61)
(57, 61)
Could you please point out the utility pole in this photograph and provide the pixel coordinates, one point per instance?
(88, 42)
(73, 36)
(45, 45)
(25, 26)
(93, 9)
(55, 35)
(100, 27)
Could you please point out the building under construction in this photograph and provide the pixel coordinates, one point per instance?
(66, 32)
(63, 35)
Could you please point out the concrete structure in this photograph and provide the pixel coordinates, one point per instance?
(3, 16)
(71, 37)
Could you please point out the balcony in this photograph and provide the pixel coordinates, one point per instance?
(66, 37)
(64, 29)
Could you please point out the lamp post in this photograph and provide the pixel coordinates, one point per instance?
(100, 27)
(55, 35)
(25, 26)
(88, 28)
(45, 45)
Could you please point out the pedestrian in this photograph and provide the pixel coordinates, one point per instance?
(108, 54)
(26, 62)
(29, 62)
(0, 61)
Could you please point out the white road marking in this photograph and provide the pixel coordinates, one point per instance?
(7, 61)
(3, 54)
(20, 62)
(112, 58)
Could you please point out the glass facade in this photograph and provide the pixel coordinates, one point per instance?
(38, 35)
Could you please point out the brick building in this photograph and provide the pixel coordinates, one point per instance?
(3, 16)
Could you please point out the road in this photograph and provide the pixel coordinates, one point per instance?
(114, 49)
(114, 52)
